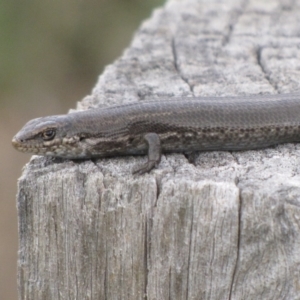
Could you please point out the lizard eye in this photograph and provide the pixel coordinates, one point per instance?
(48, 134)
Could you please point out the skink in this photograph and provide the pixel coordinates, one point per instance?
(182, 125)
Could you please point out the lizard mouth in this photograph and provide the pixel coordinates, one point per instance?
(55, 150)
(17, 144)
(20, 146)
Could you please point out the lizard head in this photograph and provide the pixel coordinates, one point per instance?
(46, 136)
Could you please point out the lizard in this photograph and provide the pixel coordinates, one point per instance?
(185, 125)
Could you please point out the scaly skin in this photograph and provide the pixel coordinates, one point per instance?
(180, 125)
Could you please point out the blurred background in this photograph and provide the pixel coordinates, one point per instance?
(51, 54)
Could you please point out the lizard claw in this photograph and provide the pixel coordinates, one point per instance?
(145, 168)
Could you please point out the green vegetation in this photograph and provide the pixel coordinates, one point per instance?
(58, 48)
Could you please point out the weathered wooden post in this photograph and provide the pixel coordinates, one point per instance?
(226, 227)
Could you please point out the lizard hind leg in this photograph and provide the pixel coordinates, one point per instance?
(154, 153)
